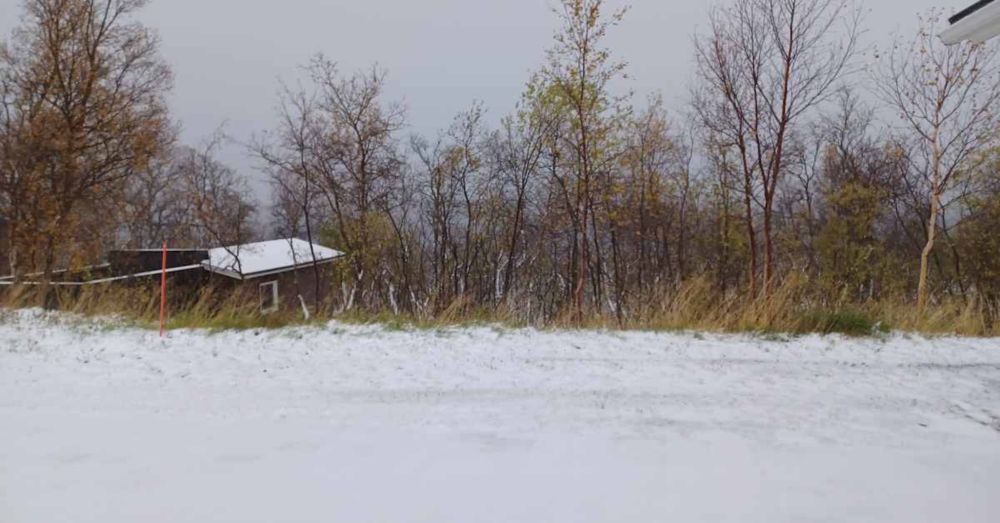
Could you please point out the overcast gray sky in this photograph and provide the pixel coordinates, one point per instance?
(441, 54)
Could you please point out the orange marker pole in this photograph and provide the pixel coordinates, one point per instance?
(163, 291)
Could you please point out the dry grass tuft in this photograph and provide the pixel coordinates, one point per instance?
(793, 306)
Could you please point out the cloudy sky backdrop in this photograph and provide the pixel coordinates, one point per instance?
(227, 55)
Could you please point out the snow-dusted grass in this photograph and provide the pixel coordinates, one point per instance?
(103, 422)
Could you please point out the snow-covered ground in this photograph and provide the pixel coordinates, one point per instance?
(362, 424)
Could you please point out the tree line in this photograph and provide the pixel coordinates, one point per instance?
(800, 155)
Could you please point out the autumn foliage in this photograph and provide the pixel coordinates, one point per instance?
(809, 183)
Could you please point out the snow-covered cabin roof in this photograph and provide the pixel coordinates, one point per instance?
(254, 260)
(977, 23)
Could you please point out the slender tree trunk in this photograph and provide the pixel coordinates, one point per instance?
(682, 233)
(771, 184)
(751, 238)
(582, 265)
(48, 291)
(768, 247)
(616, 259)
(643, 234)
(597, 272)
(312, 252)
(724, 244)
(514, 239)
(12, 252)
(922, 288)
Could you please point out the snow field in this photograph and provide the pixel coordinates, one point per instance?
(358, 423)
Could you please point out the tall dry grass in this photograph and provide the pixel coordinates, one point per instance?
(794, 306)
(210, 308)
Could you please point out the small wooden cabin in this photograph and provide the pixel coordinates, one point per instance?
(282, 274)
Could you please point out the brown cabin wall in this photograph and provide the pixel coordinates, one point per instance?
(185, 288)
(131, 262)
(294, 283)
(290, 285)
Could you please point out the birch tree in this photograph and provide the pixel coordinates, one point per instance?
(579, 74)
(946, 98)
(764, 66)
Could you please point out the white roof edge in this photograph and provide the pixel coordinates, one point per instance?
(251, 276)
(978, 27)
(219, 270)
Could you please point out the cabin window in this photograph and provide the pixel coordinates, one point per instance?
(269, 297)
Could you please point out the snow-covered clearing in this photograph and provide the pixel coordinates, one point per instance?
(362, 424)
